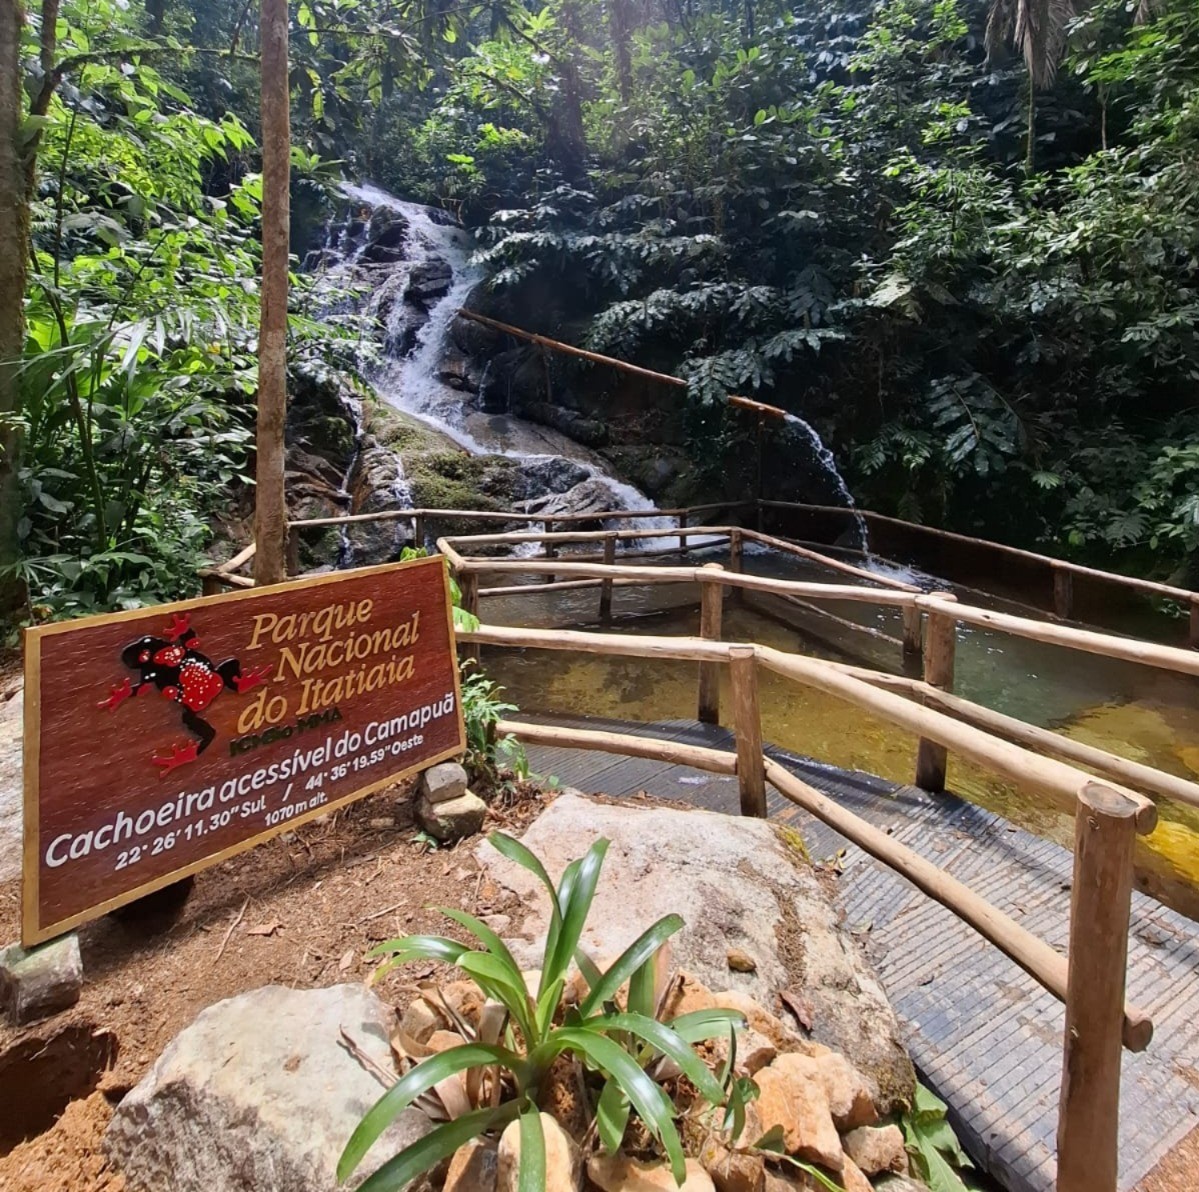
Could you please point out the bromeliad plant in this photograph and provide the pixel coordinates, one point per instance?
(507, 1065)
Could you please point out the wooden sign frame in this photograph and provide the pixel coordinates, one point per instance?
(34, 929)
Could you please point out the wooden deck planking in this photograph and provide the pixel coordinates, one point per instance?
(981, 1032)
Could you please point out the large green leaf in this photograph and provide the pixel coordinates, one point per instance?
(612, 1116)
(575, 896)
(631, 959)
(663, 1039)
(655, 1107)
(424, 1076)
(532, 1174)
(415, 947)
(440, 1143)
(707, 1024)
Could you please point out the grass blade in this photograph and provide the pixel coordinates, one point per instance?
(532, 1174)
(575, 896)
(424, 1076)
(399, 1171)
(612, 1116)
(663, 1039)
(508, 846)
(655, 1107)
(631, 959)
(707, 1024)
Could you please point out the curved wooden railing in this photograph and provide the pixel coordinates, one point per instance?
(1108, 815)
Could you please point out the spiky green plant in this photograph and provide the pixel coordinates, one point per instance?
(618, 1045)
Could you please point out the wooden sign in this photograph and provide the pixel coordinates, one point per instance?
(159, 741)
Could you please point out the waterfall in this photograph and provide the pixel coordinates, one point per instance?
(408, 375)
(829, 463)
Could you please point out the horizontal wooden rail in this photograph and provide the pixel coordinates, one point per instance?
(1058, 782)
(1137, 775)
(1090, 641)
(525, 537)
(678, 753)
(1047, 967)
(556, 345)
(791, 548)
(493, 515)
(1152, 587)
(674, 575)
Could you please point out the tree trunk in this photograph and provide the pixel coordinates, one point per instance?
(619, 15)
(1030, 150)
(270, 509)
(14, 251)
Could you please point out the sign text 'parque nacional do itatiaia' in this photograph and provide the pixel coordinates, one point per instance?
(159, 741)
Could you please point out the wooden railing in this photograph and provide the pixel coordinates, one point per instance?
(1089, 980)
(1108, 815)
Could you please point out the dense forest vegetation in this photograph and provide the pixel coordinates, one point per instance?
(961, 239)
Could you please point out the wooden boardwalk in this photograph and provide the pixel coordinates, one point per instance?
(981, 1032)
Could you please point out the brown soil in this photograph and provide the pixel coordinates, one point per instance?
(300, 910)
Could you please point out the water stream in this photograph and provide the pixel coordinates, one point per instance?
(412, 380)
(826, 459)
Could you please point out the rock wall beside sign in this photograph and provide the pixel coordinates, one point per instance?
(160, 740)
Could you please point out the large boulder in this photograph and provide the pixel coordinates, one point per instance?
(260, 1094)
(743, 888)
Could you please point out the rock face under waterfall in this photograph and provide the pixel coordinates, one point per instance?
(434, 433)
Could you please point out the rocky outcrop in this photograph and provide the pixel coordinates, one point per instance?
(739, 886)
(260, 1094)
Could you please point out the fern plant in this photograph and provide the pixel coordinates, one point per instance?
(507, 1065)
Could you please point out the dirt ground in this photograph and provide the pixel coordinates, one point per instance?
(300, 910)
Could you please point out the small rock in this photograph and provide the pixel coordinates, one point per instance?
(797, 1103)
(420, 1020)
(43, 981)
(733, 1171)
(852, 1179)
(619, 1173)
(849, 1099)
(452, 819)
(465, 999)
(383, 823)
(498, 923)
(877, 1149)
(741, 961)
(563, 1159)
(443, 783)
(444, 1040)
(474, 1168)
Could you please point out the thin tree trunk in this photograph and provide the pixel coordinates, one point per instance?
(619, 15)
(270, 510)
(1030, 150)
(14, 251)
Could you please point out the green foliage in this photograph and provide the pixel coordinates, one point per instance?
(617, 1051)
(933, 1149)
(482, 710)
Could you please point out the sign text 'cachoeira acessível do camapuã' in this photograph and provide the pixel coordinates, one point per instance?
(160, 740)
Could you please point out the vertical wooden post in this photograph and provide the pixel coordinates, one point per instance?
(931, 757)
(913, 639)
(758, 493)
(1193, 631)
(468, 581)
(747, 723)
(1088, 1112)
(550, 549)
(605, 608)
(418, 531)
(736, 549)
(1063, 593)
(711, 597)
(292, 555)
(211, 585)
(683, 537)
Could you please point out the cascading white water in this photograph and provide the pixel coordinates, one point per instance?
(829, 462)
(412, 383)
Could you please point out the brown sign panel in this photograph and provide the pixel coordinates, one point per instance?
(158, 741)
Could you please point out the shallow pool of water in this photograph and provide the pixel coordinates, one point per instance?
(1139, 712)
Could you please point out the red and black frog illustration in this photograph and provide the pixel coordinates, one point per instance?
(175, 666)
